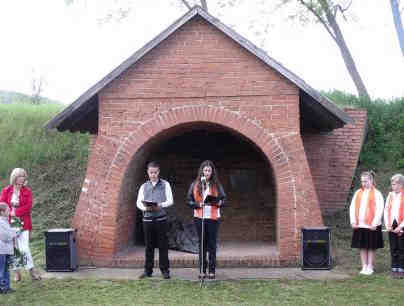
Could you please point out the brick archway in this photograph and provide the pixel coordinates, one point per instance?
(269, 145)
(296, 205)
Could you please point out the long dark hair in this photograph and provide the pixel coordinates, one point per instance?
(213, 178)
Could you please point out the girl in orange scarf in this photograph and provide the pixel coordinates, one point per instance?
(206, 213)
(366, 212)
(394, 222)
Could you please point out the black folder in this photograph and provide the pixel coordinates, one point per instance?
(211, 200)
(149, 203)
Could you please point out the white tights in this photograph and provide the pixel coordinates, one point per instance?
(22, 244)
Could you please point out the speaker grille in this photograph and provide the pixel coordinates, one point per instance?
(58, 259)
(60, 251)
(316, 252)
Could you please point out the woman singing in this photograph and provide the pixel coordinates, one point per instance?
(206, 213)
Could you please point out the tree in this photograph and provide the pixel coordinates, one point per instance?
(116, 12)
(324, 12)
(203, 3)
(37, 84)
(395, 9)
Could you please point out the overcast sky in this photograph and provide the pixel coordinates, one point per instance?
(72, 51)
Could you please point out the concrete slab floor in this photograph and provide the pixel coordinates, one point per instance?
(191, 274)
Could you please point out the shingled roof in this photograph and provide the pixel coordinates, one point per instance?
(317, 111)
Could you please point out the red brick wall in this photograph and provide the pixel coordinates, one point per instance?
(197, 76)
(333, 158)
(249, 214)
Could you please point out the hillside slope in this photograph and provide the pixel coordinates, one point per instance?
(55, 162)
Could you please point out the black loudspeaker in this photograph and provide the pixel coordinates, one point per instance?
(60, 250)
(316, 248)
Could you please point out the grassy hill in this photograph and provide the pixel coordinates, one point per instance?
(55, 162)
(11, 97)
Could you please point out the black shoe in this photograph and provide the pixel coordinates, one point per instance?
(6, 291)
(144, 275)
(166, 275)
(202, 276)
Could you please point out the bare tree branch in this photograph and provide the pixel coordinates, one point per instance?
(185, 2)
(204, 5)
(398, 23)
(339, 8)
(326, 12)
(347, 7)
(320, 19)
(37, 84)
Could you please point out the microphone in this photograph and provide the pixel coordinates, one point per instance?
(203, 180)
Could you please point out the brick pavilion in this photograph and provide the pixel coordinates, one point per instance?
(285, 154)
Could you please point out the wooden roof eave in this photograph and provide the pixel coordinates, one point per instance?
(63, 121)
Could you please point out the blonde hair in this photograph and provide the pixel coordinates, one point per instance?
(370, 174)
(3, 208)
(16, 173)
(398, 178)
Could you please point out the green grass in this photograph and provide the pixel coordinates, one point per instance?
(359, 290)
(26, 144)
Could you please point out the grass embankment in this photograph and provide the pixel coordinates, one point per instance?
(56, 165)
(383, 151)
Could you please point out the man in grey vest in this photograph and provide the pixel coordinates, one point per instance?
(153, 197)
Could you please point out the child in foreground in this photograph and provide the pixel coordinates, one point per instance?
(7, 234)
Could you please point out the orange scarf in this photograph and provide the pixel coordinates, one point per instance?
(390, 206)
(370, 206)
(198, 197)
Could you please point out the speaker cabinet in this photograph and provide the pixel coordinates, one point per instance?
(316, 248)
(60, 250)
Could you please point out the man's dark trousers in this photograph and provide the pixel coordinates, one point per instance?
(396, 249)
(155, 235)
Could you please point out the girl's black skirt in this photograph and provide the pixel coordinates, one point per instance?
(364, 238)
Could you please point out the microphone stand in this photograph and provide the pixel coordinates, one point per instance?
(201, 253)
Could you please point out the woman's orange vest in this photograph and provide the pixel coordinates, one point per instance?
(389, 207)
(370, 207)
(198, 212)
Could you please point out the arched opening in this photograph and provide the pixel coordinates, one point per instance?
(244, 171)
